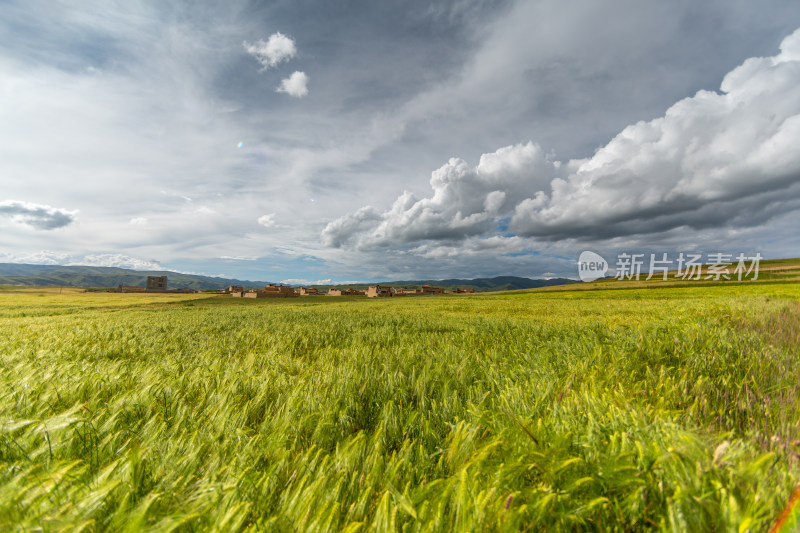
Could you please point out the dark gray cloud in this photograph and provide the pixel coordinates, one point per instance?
(37, 216)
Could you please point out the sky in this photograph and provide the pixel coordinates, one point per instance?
(314, 141)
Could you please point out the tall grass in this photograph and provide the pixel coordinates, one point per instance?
(671, 409)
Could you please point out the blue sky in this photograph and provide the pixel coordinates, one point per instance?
(353, 141)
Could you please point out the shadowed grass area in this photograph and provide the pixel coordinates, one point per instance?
(629, 409)
(781, 327)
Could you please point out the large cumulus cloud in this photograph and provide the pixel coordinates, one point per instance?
(717, 158)
(465, 202)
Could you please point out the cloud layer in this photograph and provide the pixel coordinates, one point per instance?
(164, 130)
(717, 158)
(37, 216)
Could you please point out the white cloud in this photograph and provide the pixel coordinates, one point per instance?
(465, 201)
(37, 216)
(47, 257)
(294, 281)
(44, 257)
(277, 49)
(343, 229)
(712, 160)
(268, 221)
(137, 221)
(295, 85)
(115, 260)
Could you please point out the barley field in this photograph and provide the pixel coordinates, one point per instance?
(637, 409)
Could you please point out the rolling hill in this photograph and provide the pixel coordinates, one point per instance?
(92, 276)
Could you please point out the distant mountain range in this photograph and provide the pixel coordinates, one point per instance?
(500, 283)
(92, 276)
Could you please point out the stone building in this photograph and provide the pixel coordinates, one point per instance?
(271, 291)
(131, 288)
(156, 283)
(345, 292)
(402, 291)
(309, 291)
(427, 289)
(376, 291)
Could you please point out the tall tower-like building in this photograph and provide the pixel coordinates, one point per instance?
(156, 283)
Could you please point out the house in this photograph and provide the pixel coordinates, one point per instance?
(235, 288)
(464, 291)
(277, 291)
(402, 291)
(378, 291)
(345, 292)
(156, 283)
(427, 289)
(270, 291)
(309, 291)
(131, 288)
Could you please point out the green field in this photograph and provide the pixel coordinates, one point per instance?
(571, 409)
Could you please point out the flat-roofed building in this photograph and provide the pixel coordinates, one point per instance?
(156, 283)
(402, 291)
(428, 289)
(277, 291)
(345, 292)
(132, 288)
(376, 291)
(309, 291)
(270, 291)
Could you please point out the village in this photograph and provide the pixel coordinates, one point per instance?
(374, 291)
(159, 284)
